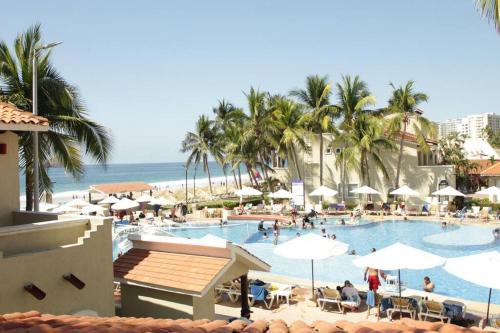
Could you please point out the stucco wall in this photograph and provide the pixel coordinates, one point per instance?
(89, 257)
(9, 178)
(147, 302)
(24, 217)
(424, 179)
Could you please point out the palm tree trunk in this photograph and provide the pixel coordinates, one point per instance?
(250, 174)
(235, 180)
(239, 175)
(29, 189)
(264, 170)
(400, 157)
(296, 162)
(321, 158)
(209, 177)
(342, 177)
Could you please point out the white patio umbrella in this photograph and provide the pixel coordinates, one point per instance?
(399, 256)
(482, 269)
(144, 198)
(109, 200)
(93, 209)
(323, 191)
(161, 201)
(311, 247)
(247, 192)
(281, 194)
(365, 190)
(124, 204)
(405, 190)
(77, 203)
(492, 190)
(448, 191)
(65, 209)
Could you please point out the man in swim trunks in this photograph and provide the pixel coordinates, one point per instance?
(373, 277)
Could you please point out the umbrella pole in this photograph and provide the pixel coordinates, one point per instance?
(399, 287)
(312, 275)
(488, 309)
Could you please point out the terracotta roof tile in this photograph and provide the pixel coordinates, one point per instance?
(170, 270)
(10, 114)
(121, 187)
(35, 322)
(493, 170)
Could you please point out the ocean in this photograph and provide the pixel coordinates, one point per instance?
(119, 173)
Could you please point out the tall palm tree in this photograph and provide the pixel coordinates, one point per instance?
(200, 144)
(292, 134)
(353, 98)
(259, 128)
(316, 97)
(403, 107)
(491, 10)
(71, 136)
(366, 140)
(226, 114)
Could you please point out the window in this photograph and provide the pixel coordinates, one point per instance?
(338, 150)
(329, 150)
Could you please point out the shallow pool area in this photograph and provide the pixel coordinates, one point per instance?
(452, 241)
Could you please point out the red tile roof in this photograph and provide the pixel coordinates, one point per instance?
(169, 270)
(10, 114)
(33, 321)
(493, 170)
(409, 137)
(121, 187)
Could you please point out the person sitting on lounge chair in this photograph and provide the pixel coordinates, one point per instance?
(350, 297)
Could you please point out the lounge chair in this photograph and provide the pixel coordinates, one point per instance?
(475, 212)
(401, 305)
(425, 210)
(412, 211)
(485, 213)
(454, 309)
(281, 292)
(433, 309)
(232, 289)
(332, 208)
(331, 296)
(260, 293)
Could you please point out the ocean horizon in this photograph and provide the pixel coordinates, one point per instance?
(125, 172)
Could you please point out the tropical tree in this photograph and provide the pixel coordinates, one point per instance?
(318, 119)
(366, 140)
(491, 10)
(292, 134)
(346, 159)
(353, 97)
(200, 144)
(71, 136)
(403, 107)
(259, 129)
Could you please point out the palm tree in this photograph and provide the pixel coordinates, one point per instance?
(259, 128)
(346, 159)
(71, 136)
(366, 139)
(491, 10)
(200, 144)
(226, 115)
(316, 97)
(353, 97)
(403, 107)
(292, 134)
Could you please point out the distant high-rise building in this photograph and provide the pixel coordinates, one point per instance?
(470, 126)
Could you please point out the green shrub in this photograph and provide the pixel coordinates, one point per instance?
(230, 204)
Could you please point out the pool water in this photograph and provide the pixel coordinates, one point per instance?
(453, 241)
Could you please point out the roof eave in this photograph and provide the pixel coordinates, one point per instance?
(23, 127)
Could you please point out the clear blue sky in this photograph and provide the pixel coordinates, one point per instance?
(147, 69)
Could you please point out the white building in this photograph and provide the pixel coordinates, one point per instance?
(470, 126)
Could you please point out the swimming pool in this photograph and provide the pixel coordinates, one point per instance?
(454, 241)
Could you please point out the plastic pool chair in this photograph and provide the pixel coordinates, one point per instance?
(331, 296)
(402, 305)
(435, 310)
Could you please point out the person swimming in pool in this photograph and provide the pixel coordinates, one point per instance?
(428, 285)
(496, 234)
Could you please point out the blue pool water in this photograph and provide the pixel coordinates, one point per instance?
(454, 241)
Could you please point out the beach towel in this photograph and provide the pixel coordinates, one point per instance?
(370, 298)
(259, 292)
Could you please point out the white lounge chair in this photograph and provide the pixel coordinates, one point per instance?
(435, 310)
(401, 305)
(330, 296)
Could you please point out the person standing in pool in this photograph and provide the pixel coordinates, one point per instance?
(276, 231)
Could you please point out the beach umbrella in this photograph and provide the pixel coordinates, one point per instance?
(247, 192)
(311, 247)
(124, 204)
(65, 209)
(93, 209)
(492, 190)
(399, 256)
(109, 200)
(482, 269)
(77, 203)
(323, 191)
(281, 194)
(448, 191)
(161, 201)
(144, 198)
(406, 191)
(365, 190)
